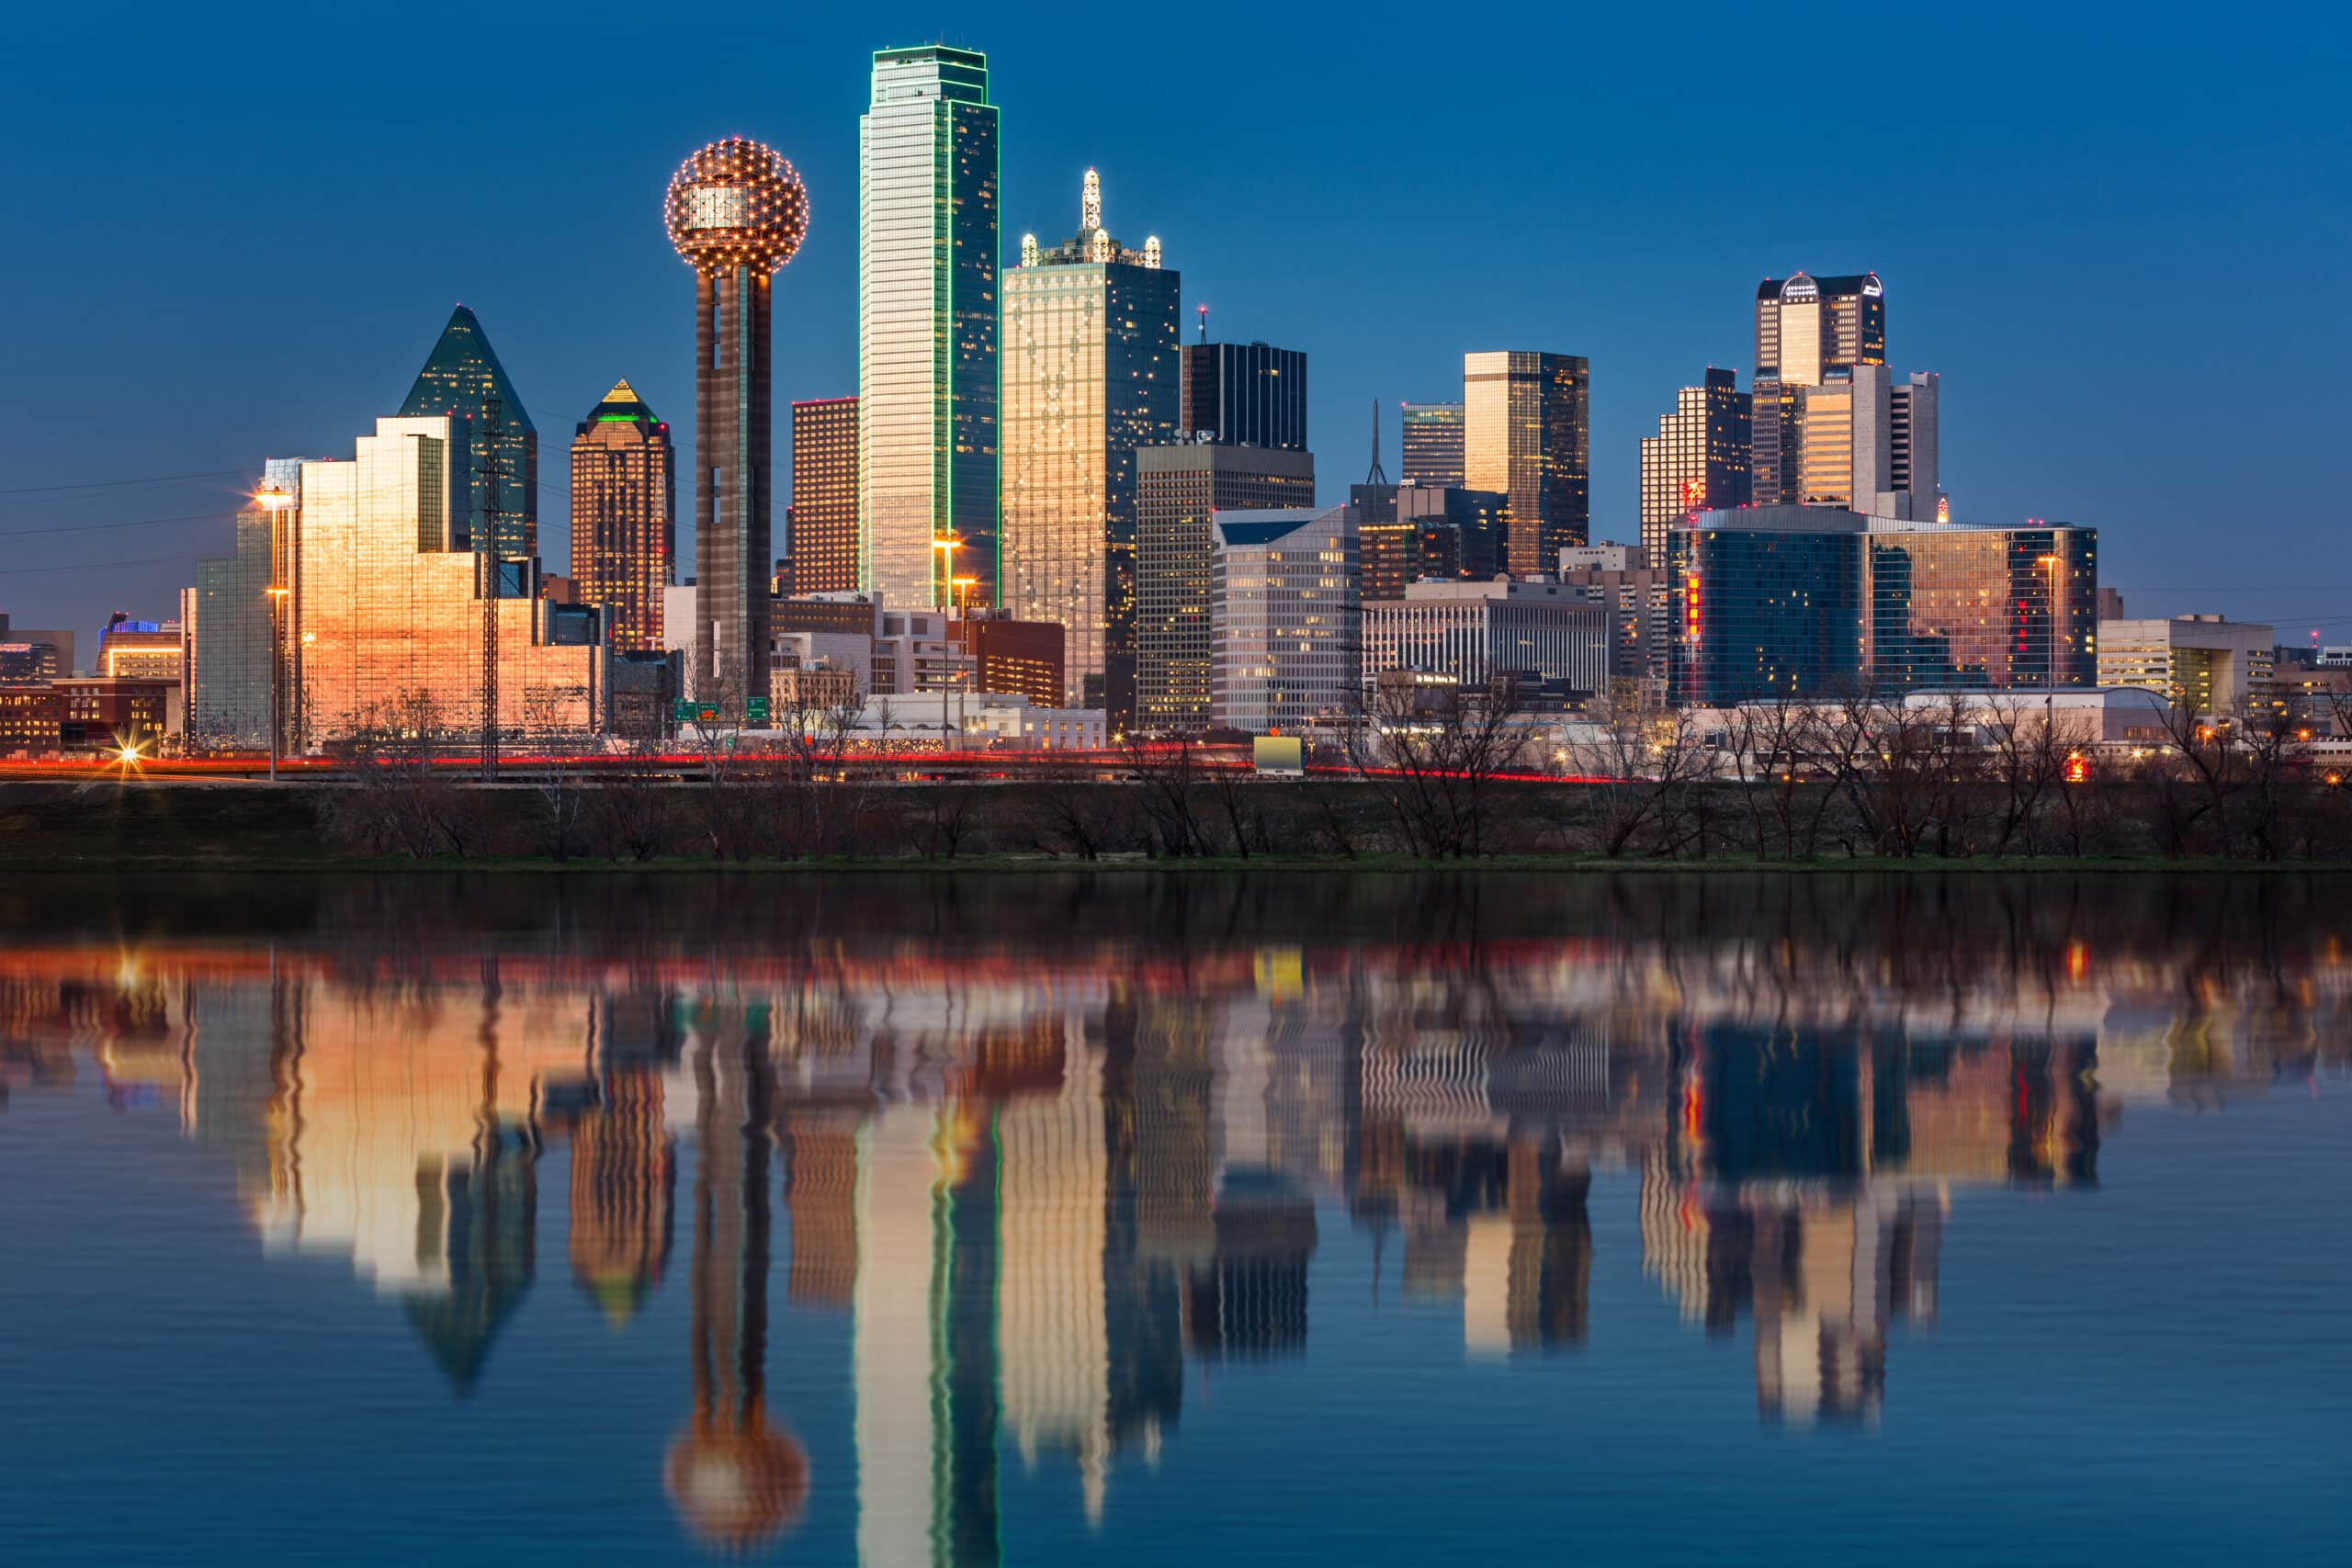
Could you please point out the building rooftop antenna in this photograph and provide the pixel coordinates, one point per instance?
(1376, 476)
(1202, 309)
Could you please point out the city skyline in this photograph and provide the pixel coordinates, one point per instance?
(2007, 457)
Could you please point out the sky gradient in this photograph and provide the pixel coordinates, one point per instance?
(2122, 243)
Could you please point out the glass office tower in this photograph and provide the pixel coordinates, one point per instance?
(1527, 432)
(1698, 459)
(1432, 444)
(227, 620)
(1245, 394)
(624, 517)
(824, 496)
(1812, 601)
(462, 377)
(927, 327)
(1091, 375)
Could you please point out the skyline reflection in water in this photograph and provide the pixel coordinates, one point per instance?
(1058, 1157)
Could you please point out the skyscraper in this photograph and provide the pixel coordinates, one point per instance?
(927, 327)
(1245, 394)
(462, 377)
(625, 517)
(824, 496)
(1285, 638)
(1432, 444)
(1805, 327)
(1089, 375)
(736, 213)
(1526, 432)
(1178, 490)
(1914, 445)
(1698, 459)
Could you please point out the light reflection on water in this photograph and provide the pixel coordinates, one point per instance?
(969, 1205)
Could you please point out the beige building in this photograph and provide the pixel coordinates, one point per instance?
(2216, 666)
(385, 605)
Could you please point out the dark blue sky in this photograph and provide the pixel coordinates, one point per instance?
(2122, 237)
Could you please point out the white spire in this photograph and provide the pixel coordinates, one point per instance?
(1028, 250)
(1151, 250)
(1090, 204)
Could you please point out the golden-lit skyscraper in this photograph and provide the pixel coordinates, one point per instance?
(1805, 327)
(1527, 432)
(385, 614)
(1698, 459)
(824, 496)
(624, 517)
(1091, 375)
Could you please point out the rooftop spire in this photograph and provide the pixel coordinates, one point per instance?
(1090, 203)
(1376, 476)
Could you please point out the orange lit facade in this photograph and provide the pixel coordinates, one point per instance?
(624, 517)
(824, 496)
(386, 622)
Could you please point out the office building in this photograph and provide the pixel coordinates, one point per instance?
(1915, 406)
(736, 213)
(624, 518)
(30, 654)
(463, 379)
(1284, 637)
(1432, 444)
(823, 514)
(1023, 658)
(1640, 601)
(1806, 326)
(1409, 532)
(1526, 433)
(85, 713)
(132, 650)
(1089, 375)
(1178, 491)
(1815, 601)
(927, 327)
(1698, 459)
(385, 624)
(1476, 633)
(1244, 394)
(226, 619)
(2209, 665)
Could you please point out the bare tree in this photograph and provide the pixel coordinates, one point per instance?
(1434, 754)
(1169, 772)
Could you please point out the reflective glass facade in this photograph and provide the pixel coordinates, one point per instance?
(1090, 376)
(824, 496)
(383, 619)
(463, 377)
(1527, 432)
(1812, 601)
(1698, 459)
(227, 618)
(927, 325)
(1245, 394)
(1432, 444)
(1177, 490)
(1807, 325)
(624, 517)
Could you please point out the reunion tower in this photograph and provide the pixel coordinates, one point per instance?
(736, 212)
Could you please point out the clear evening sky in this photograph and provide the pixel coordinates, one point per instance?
(2121, 234)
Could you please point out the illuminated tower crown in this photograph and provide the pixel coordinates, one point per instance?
(737, 203)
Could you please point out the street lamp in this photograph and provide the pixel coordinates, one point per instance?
(2050, 631)
(275, 500)
(276, 597)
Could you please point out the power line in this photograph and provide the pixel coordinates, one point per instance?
(39, 492)
(130, 523)
(92, 565)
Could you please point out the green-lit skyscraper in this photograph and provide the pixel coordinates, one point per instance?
(463, 377)
(927, 328)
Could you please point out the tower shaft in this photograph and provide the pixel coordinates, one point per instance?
(732, 446)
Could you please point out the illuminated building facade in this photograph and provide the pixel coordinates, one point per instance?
(2210, 665)
(27, 654)
(385, 621)
(225, 618)
(1024, 658)
(1090, 376)
(462, 377)
(736, 213)
(1432, 444)
(1178, 491)
(1805, 327)
(927, 327)
(1409, 532)
(1526, 432)
(1476, 632)
(1698, 459)
(1245, 394)
(132, 649)
(824, 496)
(1640, 600)
(1813, 601)
(1285, 641)
(624, 517)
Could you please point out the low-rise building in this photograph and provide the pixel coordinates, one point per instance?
(2216, 666)
(1639, 597)
(1476, 633)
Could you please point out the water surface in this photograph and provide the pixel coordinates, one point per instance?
(1169, 1220)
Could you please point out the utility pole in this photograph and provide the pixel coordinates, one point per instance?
(486, 557)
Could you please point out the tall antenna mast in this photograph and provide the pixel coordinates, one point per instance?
(1202, 309)
(1376, 476)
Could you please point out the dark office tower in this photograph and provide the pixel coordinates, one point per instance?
(1776, 443)
(1432, 444)
(1410, 532)
(1806, 326)
(624, 517)
(1246, 394)
(824, 496)
(1177, 489)
(1088, 377)
(1698, 460)
(736, 212)
(463, 377)
(1526, 432)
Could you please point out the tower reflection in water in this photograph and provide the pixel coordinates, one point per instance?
(1043, 1188)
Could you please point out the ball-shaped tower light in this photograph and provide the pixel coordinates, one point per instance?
(736, 203)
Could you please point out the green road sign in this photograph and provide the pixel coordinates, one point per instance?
(682, 711)
(706, 713)
(756, 710)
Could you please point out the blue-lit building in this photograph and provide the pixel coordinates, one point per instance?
(1808, 601)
